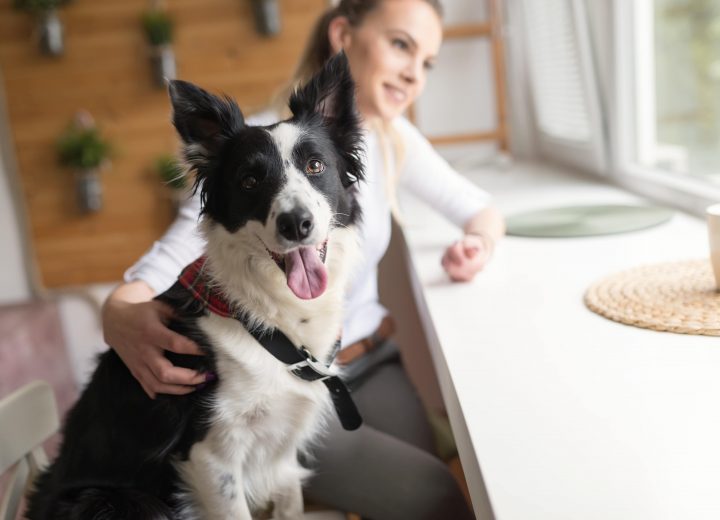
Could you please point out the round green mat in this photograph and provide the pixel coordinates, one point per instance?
(582, 221)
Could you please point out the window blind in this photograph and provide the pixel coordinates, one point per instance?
(563, 83)
(557, 84)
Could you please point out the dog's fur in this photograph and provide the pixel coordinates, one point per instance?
(229, 449)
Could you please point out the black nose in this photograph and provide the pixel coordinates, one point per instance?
(295, 225)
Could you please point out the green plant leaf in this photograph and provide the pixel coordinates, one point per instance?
(38, 6)
(158, 27)
(82, 148)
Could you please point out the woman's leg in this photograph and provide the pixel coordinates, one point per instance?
(389, 403)
(385, 470)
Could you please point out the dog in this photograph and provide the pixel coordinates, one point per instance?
(279, 212)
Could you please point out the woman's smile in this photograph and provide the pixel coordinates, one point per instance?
(396, 94)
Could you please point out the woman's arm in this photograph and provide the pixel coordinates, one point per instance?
(468, 256)
(134, 325)
(427, 175)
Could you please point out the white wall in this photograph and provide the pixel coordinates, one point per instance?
(14, 274)
(460, 94)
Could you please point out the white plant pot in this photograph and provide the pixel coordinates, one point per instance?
(267, 16)
(163, 64)
(51, 33)
(89, 190)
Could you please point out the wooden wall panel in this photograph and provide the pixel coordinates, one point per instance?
(106, 70)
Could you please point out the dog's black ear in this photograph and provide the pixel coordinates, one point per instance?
(330, 93)
(203, 119)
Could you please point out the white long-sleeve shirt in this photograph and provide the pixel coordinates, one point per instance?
(424, 173)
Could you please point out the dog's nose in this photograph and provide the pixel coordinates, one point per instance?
(295, 225)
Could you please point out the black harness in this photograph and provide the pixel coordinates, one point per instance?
(301, 363)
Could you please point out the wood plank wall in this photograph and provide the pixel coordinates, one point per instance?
(106, 70)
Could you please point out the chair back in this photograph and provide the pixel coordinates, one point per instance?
(28, 417)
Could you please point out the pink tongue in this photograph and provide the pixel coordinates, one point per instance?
(305, 272)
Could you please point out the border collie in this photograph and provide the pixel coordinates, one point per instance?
(279, 214)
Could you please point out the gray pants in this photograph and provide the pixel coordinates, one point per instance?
(386, 469)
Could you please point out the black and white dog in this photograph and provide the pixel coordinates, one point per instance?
(265, 303)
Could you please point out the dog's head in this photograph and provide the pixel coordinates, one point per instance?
(278, 190)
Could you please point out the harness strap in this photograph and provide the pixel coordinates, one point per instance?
(301, 363)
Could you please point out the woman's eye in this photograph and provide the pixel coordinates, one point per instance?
(314, 167)
(400, 44)
(249, 182)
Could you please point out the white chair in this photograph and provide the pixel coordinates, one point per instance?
(28, 417)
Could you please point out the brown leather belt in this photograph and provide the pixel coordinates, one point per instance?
(360, 348)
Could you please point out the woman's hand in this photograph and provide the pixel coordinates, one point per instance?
(137, 332)
(467, 257)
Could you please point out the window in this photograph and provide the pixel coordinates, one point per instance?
(563, 83)
(668, 65)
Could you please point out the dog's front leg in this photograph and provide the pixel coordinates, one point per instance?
(287, 498)
(288, 502)
(216, 485)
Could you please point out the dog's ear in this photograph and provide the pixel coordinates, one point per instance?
(204, 121)
(331, 94)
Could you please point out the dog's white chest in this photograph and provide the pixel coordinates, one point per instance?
(261, 416)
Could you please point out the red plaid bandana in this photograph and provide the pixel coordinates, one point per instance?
(195, 280)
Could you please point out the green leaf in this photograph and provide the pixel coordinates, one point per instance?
(82, 148)
(158, 27)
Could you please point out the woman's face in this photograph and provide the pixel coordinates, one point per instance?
(390, 54)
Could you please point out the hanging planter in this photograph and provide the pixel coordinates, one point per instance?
(89, 193)
(50, 28)
(82, 148)
(159, 33)
(163, 64)
(267, 16)
(51, 34)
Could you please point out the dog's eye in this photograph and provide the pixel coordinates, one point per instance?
(314, 167)
(248, 182)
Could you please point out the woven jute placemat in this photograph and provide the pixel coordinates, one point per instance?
(673, 297)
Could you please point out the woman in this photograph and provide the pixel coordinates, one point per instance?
(386, 469)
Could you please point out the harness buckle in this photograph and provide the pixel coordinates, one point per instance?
(316, 366)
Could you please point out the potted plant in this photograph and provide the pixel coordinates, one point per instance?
(171, 173)
(159, 33)
(49, 24)
(82, 148)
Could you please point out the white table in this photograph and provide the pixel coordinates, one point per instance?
(558, 412)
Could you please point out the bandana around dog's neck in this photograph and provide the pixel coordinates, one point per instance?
(300, 361)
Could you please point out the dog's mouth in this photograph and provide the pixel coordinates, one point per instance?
(304, 269)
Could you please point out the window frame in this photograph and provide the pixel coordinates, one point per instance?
(687, 192)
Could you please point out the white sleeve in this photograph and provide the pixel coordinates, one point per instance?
(428, 176)
(181, 244)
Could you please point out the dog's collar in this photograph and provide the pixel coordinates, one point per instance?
(300, 361)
